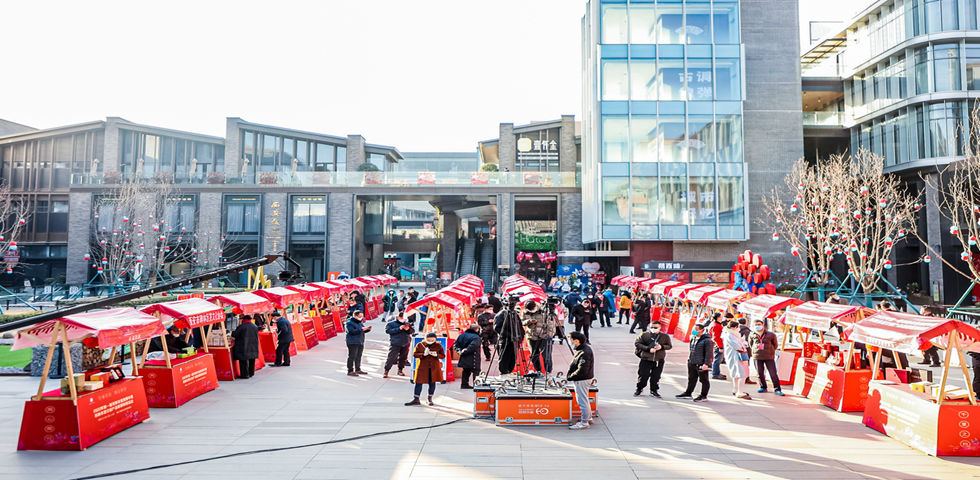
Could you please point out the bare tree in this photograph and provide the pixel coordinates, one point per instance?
(844, 207)
(14, 214)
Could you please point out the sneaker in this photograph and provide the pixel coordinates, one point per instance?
(579, 426)
(655, 394)
(762, 390)
(924, 362)
(351, 374)
(385, 375)
(414, 401)
(401, 373)
(700, 399)
(935, 365)
(430, 401)
(637, 393)
(779, 393)
(466, 387)
(749, 382)
(720, 377)
(360, 372)
(744, 396)
(683, 395)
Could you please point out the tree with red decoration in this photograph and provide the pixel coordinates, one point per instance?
(14, 214)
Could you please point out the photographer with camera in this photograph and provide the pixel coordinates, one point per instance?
(540, 328)
(510, 334)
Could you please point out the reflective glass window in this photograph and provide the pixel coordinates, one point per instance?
(728, 131)
(699, 83)
(670, 23)
(615, 139)
(324, 158)
(615, 83)
(672, 139)
(947, 64)
(643, 135)
(725, 22)
(701, 200)
(698, 26)
(270, 147)
(643, 80)
(973, 67)
(248, 148)
(921, 56)
(673, 200)
(731, 201)
(341, 158)
(302, 156)
(670, 81)
(727, 79)
(615, 200)
(700, 138)
(613, 25)
(645, 200)
(643, 24)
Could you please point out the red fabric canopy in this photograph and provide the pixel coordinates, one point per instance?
(908, 333)
(281, 297)
(765, 306)
(370, 281)
(680, 290)
(663, 288)
(191, 313)
(615, 280)
(821, 315)
(539, 297)
(244, 303)
(723, 299)
(701, 293)
(440, 298)
(358, 284)
(332, 288)
(310, 292)
(103, 329)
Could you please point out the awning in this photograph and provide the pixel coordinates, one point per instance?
(646, 283)
(663, 287)
(310, 292)
(244, 303)
(358, 284)
(191, 313)
(104, 329)
(536, 296)
(679, 291)
(821, 315)
(701, 293)
(615, 280)
(765, 306)
(281, 297)
(332, 288)
(725, 298)
(439, 298)
(909, 333)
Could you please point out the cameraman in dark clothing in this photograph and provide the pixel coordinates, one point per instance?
(510, 334)
(641, 313)
(488, 337)
(495, 303)
(699, 363)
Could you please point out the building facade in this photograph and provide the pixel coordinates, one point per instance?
(690, 116)
(900, 80)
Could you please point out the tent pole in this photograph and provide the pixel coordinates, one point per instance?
(47, 360)
(942, 386)
(877, 364)
(966, 373)
(66, 345)
(132, 358)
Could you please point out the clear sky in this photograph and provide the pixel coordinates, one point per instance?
(419, 75)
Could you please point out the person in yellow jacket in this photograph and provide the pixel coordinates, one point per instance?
(625, 306)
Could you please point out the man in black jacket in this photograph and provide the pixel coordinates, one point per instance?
(495, 303)
(284, 336)
(651, 346)
(488, 337)
(581, 372)
(583, 315)
(699, 362)
(468, 347)
(400, 334)
(246, 346)
(641, 313)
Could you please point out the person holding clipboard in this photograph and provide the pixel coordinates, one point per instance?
(429, 370)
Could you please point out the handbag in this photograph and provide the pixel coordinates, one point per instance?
(743, 356)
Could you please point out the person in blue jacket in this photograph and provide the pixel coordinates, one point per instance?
(608, 307)
(355, 342)
(284, 336)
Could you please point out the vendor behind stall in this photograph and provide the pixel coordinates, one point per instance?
(175, 344)
(246, 347)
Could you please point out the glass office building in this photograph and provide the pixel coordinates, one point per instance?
(663, 111)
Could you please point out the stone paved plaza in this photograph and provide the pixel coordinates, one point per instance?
(633, 438)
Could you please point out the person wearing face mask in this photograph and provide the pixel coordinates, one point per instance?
(698, 363)
(764, 344)
(641, 313)
(651, 347)
(583, 315)
(355, 342)
(581, 371)
(429, 370)
(540, 329)
(736, 358)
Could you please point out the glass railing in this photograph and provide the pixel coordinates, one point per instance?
(823, 119)
(828, 68)
(371, 179)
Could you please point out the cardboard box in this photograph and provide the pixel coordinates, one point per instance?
(920, 386)
(920, 375)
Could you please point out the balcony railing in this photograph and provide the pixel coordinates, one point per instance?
(823, 119)
(828, 68)
(367, 179)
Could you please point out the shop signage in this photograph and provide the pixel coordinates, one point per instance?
(526, 241)
(655, 265)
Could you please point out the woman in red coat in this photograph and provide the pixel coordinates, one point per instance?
(429, 369)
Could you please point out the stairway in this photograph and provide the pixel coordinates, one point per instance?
(467, 261)
(488, 263)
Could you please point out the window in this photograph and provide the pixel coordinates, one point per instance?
(947, 64)
(248, 150)
(944, 129)
(324, 158)
(973, 67)
(701, 200)
(180, 214)
(341, 159)
(613, 24)
(645, 201)
(728, 84)
(698, 27)
(378, 160)
(673, 197)
(670, 79)
(309, 214)
(670, 134)
(728, 131)
(242, 215)
(921, 56)
(58, 222)
(699, 84)
(701, 138)
(302, 156)
(643, 136)
(643, 28)
(615, 200)
(270, 149)
(288, 155)
(151, 155)
(670, 24)
(731, 201)
(615, 85)
(725, 21)
(643, 80)
(615, 137)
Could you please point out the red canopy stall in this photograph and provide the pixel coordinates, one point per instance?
(248, 303)
(769, 308)
(94, 405)
(674, 296)
(335, 302)
(692, 309)
(825, 374)
(316, 297)
(936, 419)
(304, 333)
(174, 382)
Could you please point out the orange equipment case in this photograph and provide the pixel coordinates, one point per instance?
(533, 409)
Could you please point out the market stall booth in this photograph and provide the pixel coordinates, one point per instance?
(94, 405)
(366, 287)
(663, 305)
(688, 313)
(291, 305)
(935, 419)
(825, 373)
(181, 376)
(248, 303)
(769, 308)
(309, 311)
(334, 305)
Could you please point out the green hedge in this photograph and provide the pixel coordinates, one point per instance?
(17, 316)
